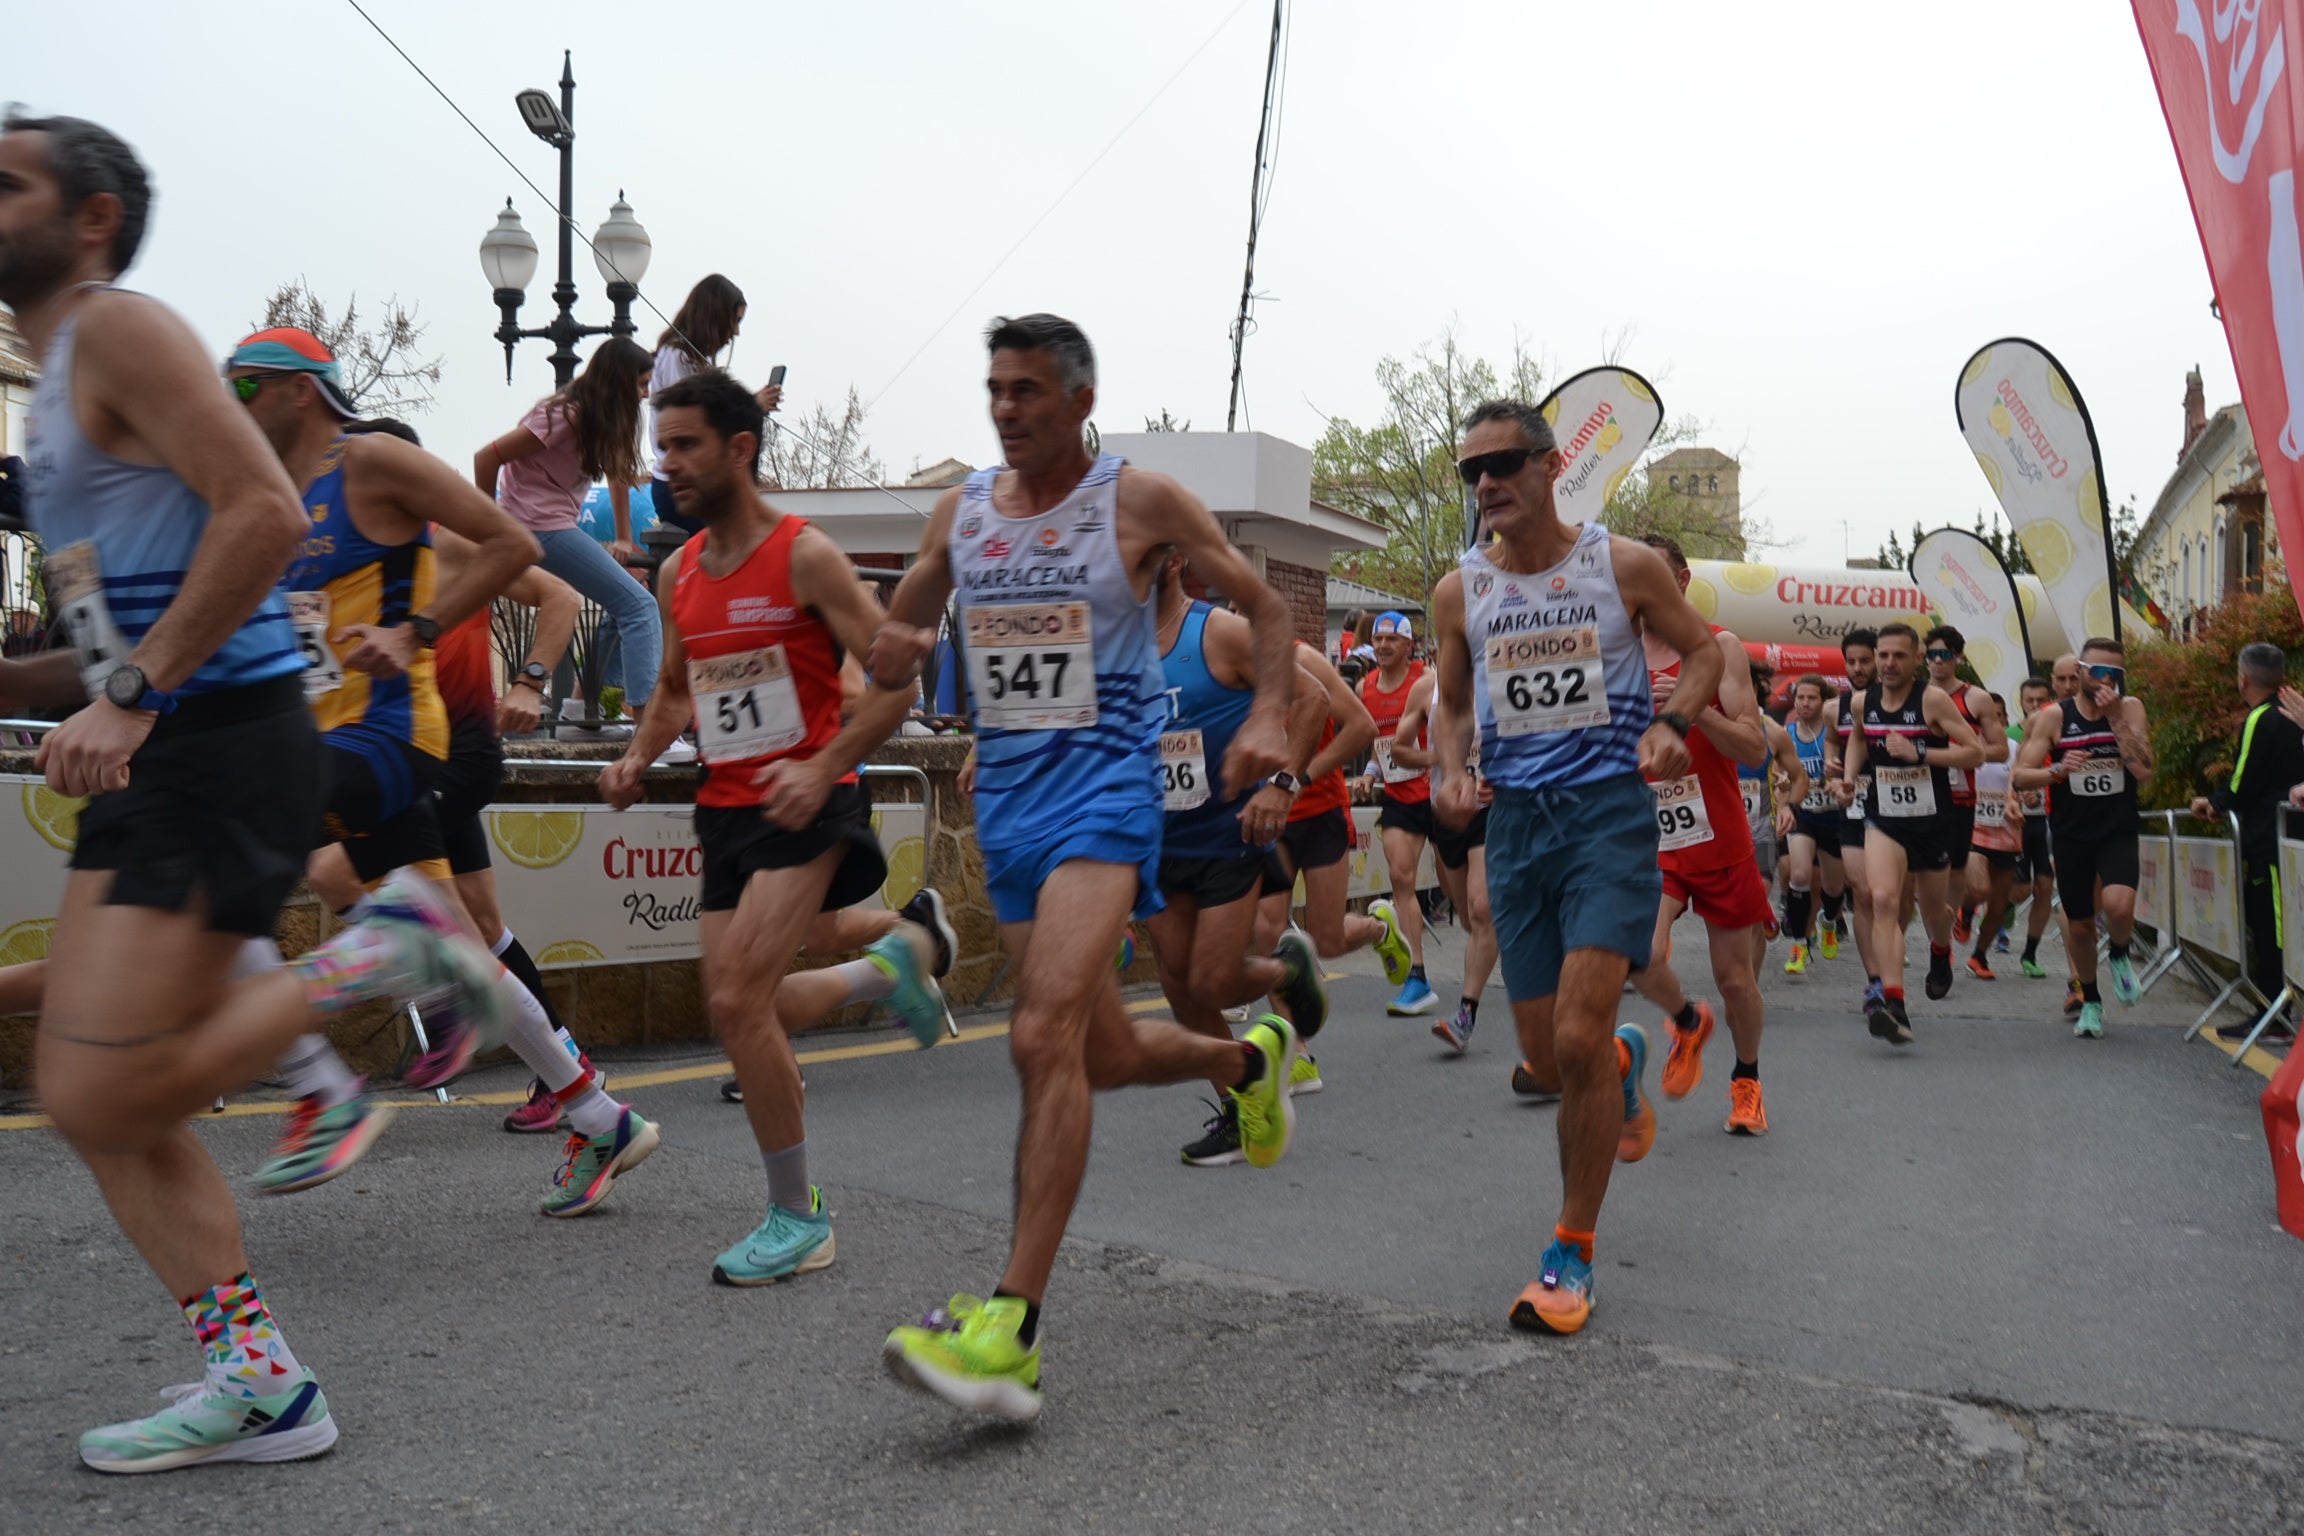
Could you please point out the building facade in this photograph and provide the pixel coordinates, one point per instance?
(2207, 535)
(1711, 482)
(17, 371)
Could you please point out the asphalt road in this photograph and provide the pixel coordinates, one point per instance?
(2005, 1281)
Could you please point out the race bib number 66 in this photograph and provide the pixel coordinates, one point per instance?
(1546, 680)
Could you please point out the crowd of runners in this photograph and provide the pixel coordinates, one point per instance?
(281, 671)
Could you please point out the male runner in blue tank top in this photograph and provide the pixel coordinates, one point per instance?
(1540, 650)
(1053, 555)
(168, 523)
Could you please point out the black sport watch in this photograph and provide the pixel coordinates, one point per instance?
(427, 629)
(1674, 719)
(535, 675)
(1286, 782)
(128, 688)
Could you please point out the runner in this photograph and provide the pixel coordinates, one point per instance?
(2036, 870)
(1460, 855)
(1814, 839)
(2102, 755)
(1999, 842)
(1212, 846)
(1912, 734)
(1539, 648)
(1859, 652)
(1705, 851)
(1784, 783)
(167, 523)
(1946, 648)
(2064, 677)
(1054, 557)
(1405, 820)
(756, 609)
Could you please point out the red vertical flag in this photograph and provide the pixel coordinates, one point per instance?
(2230, 73)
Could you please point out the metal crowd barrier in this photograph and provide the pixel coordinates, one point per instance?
(2218, 907)
(2288, 895)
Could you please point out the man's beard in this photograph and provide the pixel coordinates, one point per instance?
(34, 266)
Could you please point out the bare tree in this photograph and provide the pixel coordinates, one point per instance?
(820, 451)
(385, 371)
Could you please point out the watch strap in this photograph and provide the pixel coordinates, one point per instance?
(1676, 720)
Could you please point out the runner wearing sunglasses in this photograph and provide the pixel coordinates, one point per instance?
(1946, 649)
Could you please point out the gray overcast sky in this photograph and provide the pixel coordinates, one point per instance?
(1805, 219)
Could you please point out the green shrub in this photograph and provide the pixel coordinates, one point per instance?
(2190, 695)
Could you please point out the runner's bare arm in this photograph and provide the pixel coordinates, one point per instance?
(1852, 759)
(1944, 717)
(908, 634)
(1454, 795)
(2032, 770)
(380, 468)
(669, 709)
(2135, 739)
(557, 609)
(1787, 759)
(1415, 716)
(1355, 727)
(795, 789)
(1737, 726)
(1652, 596)
(1995, 742)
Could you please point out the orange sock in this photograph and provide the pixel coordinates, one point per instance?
(1623, 1058)
(1580, 1241)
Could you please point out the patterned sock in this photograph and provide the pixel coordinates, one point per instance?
(246, 1355)
(1580, 1241)
(313, 1070)
(1471, 1007)
(365, 961)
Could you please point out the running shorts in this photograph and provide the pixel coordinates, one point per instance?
(223, 803)
(1922, 838)
(1213, 882)
(738, 842)
(1571, 868)
(380, 802)
(1318, 841)
(1014, 876)
(1408, 815)
(1732, 896)
(1959, 824)
(1824, 828)
(1454, 849)
(467, 783)
(2079, 865)
(2036, 864)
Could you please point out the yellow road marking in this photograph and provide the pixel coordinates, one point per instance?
(619, 1081)
(2258, 1060)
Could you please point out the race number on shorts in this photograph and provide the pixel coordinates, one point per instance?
(1905, 792)
(1032, 666)
(746, 705)
(309, 612)
(1183, 771)
(76, 586)
(1549, 680)
(2103, 776)
(1682, 821)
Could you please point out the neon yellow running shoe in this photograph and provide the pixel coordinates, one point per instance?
(1828, 942)
(1267, 1111)
(967, 1353)
(1392, 947)
(1798, 964)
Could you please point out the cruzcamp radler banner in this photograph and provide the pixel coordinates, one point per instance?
(1972, 591)
(2030, 430)
(1603, 420)
(2227, 75)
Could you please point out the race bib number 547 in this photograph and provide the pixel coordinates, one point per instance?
(1546, 680)
(1032, 666)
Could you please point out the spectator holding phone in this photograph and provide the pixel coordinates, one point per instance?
(707, 323)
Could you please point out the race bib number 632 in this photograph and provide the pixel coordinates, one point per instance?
(1546, 680)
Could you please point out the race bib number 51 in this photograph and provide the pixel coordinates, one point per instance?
(1548, 680)
(1032, 666)
(746, 705)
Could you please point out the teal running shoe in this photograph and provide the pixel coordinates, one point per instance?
(916, 999)
(2124, 980)
(970, 1353)
(1267, 1109)
(780, 1248)
(1392, 945)
(2090, 1024)
(1301, 987)
(1560, 1298)
(203, 1422)
(320, 1143)
(590, 1165)
(1639, 1115)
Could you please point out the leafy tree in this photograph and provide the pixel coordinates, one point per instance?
(822, 452)
(2195, 709)
(385, 371)
(1166, 423)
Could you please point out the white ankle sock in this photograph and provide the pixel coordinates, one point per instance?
(590, 1111)
(314, 1070)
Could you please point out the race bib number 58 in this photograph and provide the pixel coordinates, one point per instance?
(1032, 666)
(1547, 680)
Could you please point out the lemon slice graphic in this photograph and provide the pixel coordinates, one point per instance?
(536, 839)
(55, 817)
(1751, 580)
(2051, 550)
(26, 941)
(569, 952)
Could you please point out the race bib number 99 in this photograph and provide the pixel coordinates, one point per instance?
(1550, 680)
(746, 705)
(1032, 666)
(1681, 818)
(1183, 771)
(2104, 776)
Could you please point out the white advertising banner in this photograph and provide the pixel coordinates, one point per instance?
(2291, 908)
(2208, 897)
(1814, 605)
(1966, 583)
(1604, 418)
(2153, 908)
(2030, 431)
(37, 830)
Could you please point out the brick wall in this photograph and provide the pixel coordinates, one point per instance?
(1306, 592)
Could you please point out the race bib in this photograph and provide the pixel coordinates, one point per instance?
(746, 705)
(1681, 818)
(1551, 680)
(2033, 802)
(1755, 798)
(1856, 806)
(76, 587)
(2103, 776)
(308, 612)
(1183, 771)
(1906, 792)
(1032, 666)
(1393, 773)
(1992, 811)
(1819, 799)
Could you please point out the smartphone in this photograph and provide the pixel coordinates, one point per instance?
(776, 377)
(2116, 676)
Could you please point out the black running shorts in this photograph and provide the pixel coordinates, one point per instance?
(738, 842)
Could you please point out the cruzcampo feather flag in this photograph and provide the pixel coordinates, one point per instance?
(1965, 582)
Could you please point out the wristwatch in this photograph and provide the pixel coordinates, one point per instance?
(427, 629)
(535, 675)
(1674, 719)
(128, 688)
(1286, 782)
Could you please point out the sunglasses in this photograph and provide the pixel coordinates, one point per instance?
(2109, 674)
(247, 384)
(1940, 654)
(1503, 464)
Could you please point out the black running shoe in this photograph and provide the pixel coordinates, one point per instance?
(1300, 985)
(732, 1091)
(1880, 1018)
(1901, 1032)
(1524, 1085)
(927, 909)
(1219, 1141)
(1939, 984)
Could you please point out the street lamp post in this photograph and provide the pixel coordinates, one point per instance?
(620, 247)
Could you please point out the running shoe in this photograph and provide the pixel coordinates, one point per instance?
(1747, 1109)
(732, 1091)
(968, 1353)
(446, 973)
(1880, 1018)
(1900, 1025)
(202, 1423)
(2124, 980)
(1978, 969)
(2000, 944)
(1938, 986)
(1304, 1077)
(1874, 991)
(1639, 1116)
(915, 1000)
(1524, 1085)
(319, 1143)
(927, 909)
(1392, 948)
(1560, 1299)
(1267, 1113)
(1684, 1057)
(782, 1247)
(1797, 964)
(1455, 1033)
(2278, 1032)
(1415, 996)
(2074, 998)
(2090, 1024)
(1964, 925)
(1301, 989)
(1219, 1143)
(2033, 969)
(590, 1165)
(1828, 942)
(541, 1113)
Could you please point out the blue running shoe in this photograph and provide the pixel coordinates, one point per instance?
(916, 999)
(1639, 1117)
(783, 1246)
(1560, 1300)
(1416, 996)
(2124, 980)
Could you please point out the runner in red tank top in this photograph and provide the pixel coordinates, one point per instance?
(1705, 848)
(1404, 819)
(757, 608)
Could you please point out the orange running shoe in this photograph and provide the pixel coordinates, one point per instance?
(1560, 1298)
(1747, 1112)
(1684, 1059)
(1639, 1115)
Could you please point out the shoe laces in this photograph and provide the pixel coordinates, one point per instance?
(1744, 1094)
(1219, 1117)
(1250, 1114)
(570, 1151)
(954, 1315)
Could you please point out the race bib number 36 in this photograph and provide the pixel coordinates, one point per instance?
(1183, 771)
(1548, 680)
(1032, 666)
(746, 705)
(308, 612)
(1681, 819)
(1905, 791)
(76, 586)
(2104, 776)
